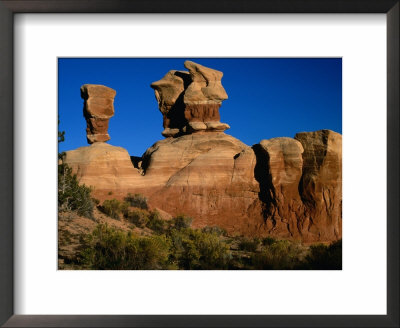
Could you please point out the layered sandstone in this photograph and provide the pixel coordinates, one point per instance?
(271, 189)
(190, 101)
(279, 170)
(321, 183)
(203, 98)
(209, 176)
(102, 166)
(98, 109)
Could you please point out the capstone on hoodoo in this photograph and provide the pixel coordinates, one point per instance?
(190, 101)
(98, 108)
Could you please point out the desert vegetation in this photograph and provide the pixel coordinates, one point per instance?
(71, 195)
(153, 243)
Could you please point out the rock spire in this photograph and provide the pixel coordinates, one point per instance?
(190, 101)
(98, 108)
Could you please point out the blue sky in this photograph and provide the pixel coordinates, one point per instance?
(268, 97)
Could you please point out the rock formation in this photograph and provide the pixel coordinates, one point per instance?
(97, 110)
(190, 101)
(169, 94)
(321, 183)
(103, 166)
(203, 98)
(208, 176)
(279, 170)
(283, 187)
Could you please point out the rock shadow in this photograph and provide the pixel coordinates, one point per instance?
(263, 177)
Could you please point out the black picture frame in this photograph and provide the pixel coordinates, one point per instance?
(10, 7)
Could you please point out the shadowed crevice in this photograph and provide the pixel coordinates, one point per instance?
(263, 176)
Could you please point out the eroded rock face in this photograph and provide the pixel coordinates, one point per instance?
(209, 176)
(190, 101)
(321, 183)
(103, 166)
(300, 185)
(98, 109)
(279, 170)
(282, 187)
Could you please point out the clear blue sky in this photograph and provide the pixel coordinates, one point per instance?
(268, 97)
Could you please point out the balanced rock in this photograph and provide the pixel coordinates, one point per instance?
(169, 94)
(190, 101)
(203, 98)
(98, 109)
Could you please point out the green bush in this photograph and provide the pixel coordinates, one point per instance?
(156, 223)
(323, 257)
(109, 249)
(124, 208)
(268, 241)
(214, 229)
(214, 252)
(181, 222)
(71, 195)
(137, 200)
(281, 255)
(113, 208)
(138, 217)
(249, 245)
(194, 249)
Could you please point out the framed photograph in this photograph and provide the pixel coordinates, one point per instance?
(202, 179)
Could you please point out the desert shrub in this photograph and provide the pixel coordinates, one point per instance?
(112, 208)
(124, 208)
(181, 222)
(138, 217)
(214, 253)
(268, 241)
(71, 195)
(194, 249)
(137, 200)
(249, 245)
(156, 223)
(214, 229)
(323, 257)
(110, 249)
(183, 251)
(281, 255)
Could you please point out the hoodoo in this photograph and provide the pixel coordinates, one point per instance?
(190, 101)
(98, 108)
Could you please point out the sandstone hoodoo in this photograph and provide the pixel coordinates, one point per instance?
(169, 94)
(190, 101)
(203, 98)
(287, 188)
(98, 109)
